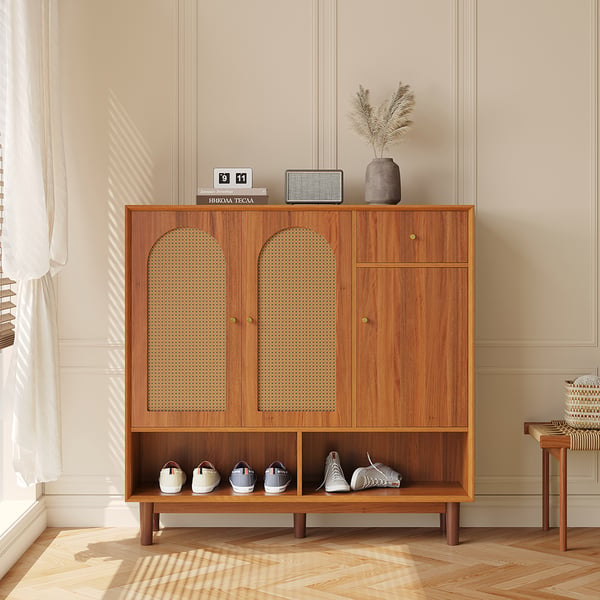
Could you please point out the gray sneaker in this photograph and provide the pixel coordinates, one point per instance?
(334, 480)
(376, 475)
(277, 478)
(242, 478)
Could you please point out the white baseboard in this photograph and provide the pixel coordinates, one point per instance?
(91, 511)
(17, 538)
(526, 511)
(486, 511)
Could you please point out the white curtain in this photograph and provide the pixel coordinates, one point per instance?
(34, 239)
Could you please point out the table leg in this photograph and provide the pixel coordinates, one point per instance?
(563, 499)
(545, 489)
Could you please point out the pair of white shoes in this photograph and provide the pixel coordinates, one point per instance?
(375, 475)
(172, 478)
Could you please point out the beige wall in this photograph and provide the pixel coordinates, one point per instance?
(158, 93)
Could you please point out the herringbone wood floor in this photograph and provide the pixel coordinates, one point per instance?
(269, 564)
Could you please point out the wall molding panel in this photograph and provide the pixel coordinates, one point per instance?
(590, 305)
(81, 484)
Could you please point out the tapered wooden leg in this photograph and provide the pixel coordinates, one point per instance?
(545, 489)
(452, 522)
(146, 522)
(300, 525)
(563, 499)
(442, 523)
(156, 522)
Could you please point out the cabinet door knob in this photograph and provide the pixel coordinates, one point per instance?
(250, 320)
(412, 236)
(232, 320)
(365, 319)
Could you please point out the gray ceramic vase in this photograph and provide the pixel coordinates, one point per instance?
(382, 182)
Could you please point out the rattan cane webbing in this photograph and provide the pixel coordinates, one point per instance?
(186, 323)
(581, 439)
(296, 323)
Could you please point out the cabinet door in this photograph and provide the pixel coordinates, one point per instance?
(412, 363)
(296, 301)
(183, 297)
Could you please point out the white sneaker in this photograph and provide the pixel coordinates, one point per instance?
(334, 475)
(376, 475)
(171, 478)
(205, 478)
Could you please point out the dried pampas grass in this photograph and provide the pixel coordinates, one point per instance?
(386, 123)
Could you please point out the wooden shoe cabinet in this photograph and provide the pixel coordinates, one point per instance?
(281, 333)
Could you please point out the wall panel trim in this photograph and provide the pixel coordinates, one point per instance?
(325, 155)
(187, 82)
(466, 105)
(593, 220)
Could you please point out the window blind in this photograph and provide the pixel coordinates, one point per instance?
(7, 315)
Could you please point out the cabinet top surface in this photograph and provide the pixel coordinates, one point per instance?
(300, 207)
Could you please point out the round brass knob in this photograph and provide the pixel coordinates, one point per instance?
(250, 320)
(412, 236)
(365, 319)
(232, 320)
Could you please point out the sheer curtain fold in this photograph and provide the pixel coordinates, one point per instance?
(34, 236)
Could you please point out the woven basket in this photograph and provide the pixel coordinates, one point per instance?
(582, 406)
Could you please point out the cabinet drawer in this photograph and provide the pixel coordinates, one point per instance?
(412, 236)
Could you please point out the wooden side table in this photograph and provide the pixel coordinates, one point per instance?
(553, 442)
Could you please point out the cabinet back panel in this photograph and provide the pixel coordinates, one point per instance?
(423, 456)
(225, 449)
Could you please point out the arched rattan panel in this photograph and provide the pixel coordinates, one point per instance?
(296, 323)
(186, 323)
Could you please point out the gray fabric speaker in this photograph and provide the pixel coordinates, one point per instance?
(314, 186)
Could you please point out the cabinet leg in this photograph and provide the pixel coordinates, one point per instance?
(156, 522)
(146, 522)
(300, 525)
(453, 522)
(443, 523)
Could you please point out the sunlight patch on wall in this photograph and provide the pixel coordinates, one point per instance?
(130, 181)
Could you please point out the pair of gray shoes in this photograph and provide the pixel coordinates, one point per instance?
(375, 475)
(243, 478)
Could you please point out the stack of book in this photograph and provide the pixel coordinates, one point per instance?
(232, 196)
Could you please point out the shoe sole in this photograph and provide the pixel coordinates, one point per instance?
(276, 490)
(204, 490)
(340, 488)
(243, 490)
(355, 487)
(170, 490)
